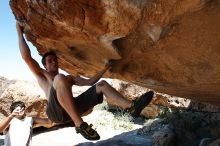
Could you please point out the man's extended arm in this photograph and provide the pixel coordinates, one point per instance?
(26, 54)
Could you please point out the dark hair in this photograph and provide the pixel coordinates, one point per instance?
(43, 60)
(16, 104)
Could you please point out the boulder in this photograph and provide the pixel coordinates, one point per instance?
(169, 46)
(164, 137)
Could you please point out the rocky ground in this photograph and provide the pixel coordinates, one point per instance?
(113, 129)
(171, 128)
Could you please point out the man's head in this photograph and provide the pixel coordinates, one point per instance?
(16, 104)
(19, 106)
(49, 60)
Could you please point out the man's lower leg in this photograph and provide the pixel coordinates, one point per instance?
(112, 95)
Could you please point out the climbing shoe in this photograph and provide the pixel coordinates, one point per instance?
(87, 132)
(140, 103)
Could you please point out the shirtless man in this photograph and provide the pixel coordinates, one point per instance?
(58, 90)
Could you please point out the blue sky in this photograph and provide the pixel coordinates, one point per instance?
(11, 64)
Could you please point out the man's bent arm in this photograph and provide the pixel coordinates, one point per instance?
(81, 82)
(26, 54)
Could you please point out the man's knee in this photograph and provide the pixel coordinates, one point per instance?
(59, 77)
(59, 80)
(102, 84)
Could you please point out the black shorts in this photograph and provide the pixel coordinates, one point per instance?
(83, 102)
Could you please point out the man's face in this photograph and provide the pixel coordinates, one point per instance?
(51, 63)
(20, 112)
